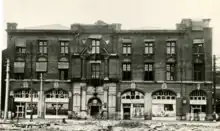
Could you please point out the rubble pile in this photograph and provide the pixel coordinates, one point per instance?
(108, 125)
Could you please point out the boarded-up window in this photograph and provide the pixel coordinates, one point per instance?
(19, 67)
(113, 68)
(76, 67)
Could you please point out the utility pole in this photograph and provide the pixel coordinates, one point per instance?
(7, 89)
(214, 83)
(31, 116)
(41, 95)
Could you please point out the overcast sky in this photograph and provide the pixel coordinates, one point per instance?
(130, 13)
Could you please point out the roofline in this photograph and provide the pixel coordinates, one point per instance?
(71, 31)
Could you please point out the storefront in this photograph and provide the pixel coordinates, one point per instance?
(23, 103)
(57, 103)
(198, 102)
(164, 105)
(132, 105)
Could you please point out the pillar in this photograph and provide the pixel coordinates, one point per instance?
(76, 97)
(83, 98)
(209, 105)
(70, 100)
(83, 68)
(148, 106)
(106, 69)
(105, 100)
(179, 107)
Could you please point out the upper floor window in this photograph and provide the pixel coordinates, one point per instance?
(198, 48)
(170, 71)
(199, 72)
(19, 75)
(42, 47)
(148, 48)
(126, 71)
(95, 46)
(171, 47)
(148, 69)
(41, 65)
(20, 49)
(64, 47)
(126, 48)
(63, 74)
(95, 70)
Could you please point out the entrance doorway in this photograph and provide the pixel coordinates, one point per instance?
(94, 106)
(94, 110)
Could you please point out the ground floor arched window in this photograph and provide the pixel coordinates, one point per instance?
(164, 103)
(132, 104)
(57, 103)
(24, 104)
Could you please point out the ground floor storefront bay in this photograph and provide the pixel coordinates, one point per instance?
(125, 100)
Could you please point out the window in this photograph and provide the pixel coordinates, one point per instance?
(19, 75)
(41, 65)
(198, 48)
(95, 46)
(126, 69)
(64, 47)
(170, 69)
(95, 70)
(148, 69)
(198, 72)
(148, 48)
(42, 47)
(39, 74)
(171, 47)
(126, 48)
(63, 74)
(20, 49)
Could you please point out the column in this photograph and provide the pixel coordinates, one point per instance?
(106, 69)
(105, 100)
(83, 99)
(179, 107)
(148, 106)
(83, 68)
(118, 101)
(70, 100)
(209, 105)
(121, 106)
(131, 111)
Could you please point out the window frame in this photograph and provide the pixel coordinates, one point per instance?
(95, 46)
(126, 72)
(199, 49)
(21, 50)
(147, 47)
(43, 46)
(126, 48)
(65, 74)
(64, 45)
(198, 71)
(171, 45)
(171, 65)
(95, 70)
(148, 71)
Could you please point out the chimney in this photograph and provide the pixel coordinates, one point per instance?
(206, 22)
(11, 26)
(75, 27)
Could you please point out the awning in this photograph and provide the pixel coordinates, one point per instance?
(198, 41)
(19, 67)
(20, 43)
(63, 65)
(95, 36)
(149, 40)
(126, 40)
(41, 66)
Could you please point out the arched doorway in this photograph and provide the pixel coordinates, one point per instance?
(164, 104)
(57, 103)
(198, 101)
(22, 101)
(132, 104)
(94, 105)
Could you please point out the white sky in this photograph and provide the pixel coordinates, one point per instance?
(130, 13)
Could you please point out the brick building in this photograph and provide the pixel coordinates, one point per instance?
(136, 74)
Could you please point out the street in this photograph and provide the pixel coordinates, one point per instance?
(108, 125)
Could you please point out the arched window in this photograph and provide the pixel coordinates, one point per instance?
(164, 94)
(197, 95)
(25, 93)
(57, 93)
(132, 95)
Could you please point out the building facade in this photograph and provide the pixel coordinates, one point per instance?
(103, 69)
